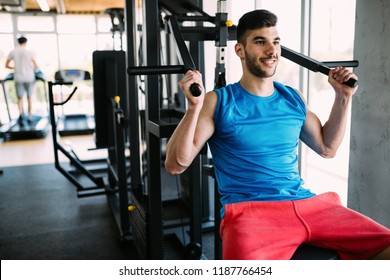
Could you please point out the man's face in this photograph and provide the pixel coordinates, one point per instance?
(262, 51)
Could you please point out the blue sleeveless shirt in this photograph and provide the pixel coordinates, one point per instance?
(255, 145)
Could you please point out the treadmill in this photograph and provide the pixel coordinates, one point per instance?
(36, 128)
(73, 124)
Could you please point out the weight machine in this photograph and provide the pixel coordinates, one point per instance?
(168, 17)
(99, 176)
(95, 184)
(72, 124)
(117, 22)
(149, 220)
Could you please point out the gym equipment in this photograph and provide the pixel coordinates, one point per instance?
(109, 80)
(73, 124)
(36, 127)
(7, 106)
(160, 123)
(118, 25)
(149, 219)
(110, 103)
(316, 66)
(96, 183)
(109, 84)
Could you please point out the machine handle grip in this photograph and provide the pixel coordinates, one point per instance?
(351, 82)
(325, 70)
(195, 89)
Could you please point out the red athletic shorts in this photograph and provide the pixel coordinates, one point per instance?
(274, 230)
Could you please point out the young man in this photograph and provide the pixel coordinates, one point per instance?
(253, 128)
(24, 65)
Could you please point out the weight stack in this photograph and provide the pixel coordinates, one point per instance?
(142, 230)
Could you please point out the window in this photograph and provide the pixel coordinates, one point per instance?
(5, 23)
(7, 44)
(73, 24)
(36, 24)
(75, 51)
(44, 45)
(331, 40)
(289, 27)
(104, 24)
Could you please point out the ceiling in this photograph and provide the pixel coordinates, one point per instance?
(76, 6)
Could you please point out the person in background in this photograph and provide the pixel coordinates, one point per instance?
(253, 128)
(23, 62)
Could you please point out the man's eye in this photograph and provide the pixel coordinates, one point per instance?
(260, 42)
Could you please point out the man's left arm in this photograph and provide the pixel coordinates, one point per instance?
(326, 139)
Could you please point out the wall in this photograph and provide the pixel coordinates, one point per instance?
(369, 171)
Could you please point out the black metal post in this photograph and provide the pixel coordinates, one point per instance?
(152, 46)
(133, 100)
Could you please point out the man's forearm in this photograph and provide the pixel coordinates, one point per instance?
(335, 127)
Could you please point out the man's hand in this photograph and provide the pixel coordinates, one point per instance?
(338, 76)
(185, 83)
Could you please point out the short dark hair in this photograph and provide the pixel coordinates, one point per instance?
(254, 20)
(22, 40)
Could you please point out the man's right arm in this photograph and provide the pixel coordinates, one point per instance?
(193, 131)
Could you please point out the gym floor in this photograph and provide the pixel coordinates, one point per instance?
(42, 218)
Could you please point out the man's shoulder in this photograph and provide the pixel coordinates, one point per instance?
(282, 86)
(233, 87)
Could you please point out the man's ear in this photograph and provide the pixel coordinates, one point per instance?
(239, 48)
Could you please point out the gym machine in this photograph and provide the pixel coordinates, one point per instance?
(110, 177)
(2, 82)
(94, 184)
(35, 128)
(147, 217)
(118, 25)
(110, 104)
(72, 124)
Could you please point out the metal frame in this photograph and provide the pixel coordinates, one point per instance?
(157, 128)
(97, 182)
(118, 191)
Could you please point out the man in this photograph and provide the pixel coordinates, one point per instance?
(253, 128)
(24, 65)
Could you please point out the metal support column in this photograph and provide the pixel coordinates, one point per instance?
(151, 48)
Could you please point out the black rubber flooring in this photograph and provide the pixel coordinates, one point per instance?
(41, 218)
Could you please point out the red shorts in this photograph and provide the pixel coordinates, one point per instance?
(274, 230)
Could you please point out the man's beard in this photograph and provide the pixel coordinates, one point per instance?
(253, 66)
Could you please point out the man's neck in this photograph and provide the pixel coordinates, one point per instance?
(258, 86)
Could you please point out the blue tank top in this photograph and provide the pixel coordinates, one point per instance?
(255, 145)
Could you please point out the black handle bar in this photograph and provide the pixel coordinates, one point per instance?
(164, 69)
(312, 64)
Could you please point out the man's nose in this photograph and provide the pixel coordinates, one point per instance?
(271, 49)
